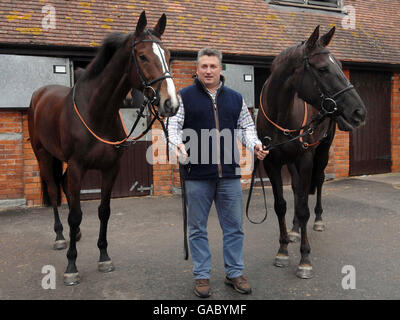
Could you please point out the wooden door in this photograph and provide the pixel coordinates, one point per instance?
(135, 177)
(370, 145)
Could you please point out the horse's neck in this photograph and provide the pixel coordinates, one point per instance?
(280, 100)
(106, 93)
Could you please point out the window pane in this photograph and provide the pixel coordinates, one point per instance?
(319, 3)
(294, 1)
(329, 3)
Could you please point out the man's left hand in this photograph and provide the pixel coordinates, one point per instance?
(260, 152)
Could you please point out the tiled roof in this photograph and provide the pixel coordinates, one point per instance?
(247, 27)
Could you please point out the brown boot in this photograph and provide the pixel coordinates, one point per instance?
(240, 284)
(202, 288)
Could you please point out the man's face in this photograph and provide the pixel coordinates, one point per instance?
(209, 71)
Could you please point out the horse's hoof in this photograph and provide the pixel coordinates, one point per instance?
(71, 279)
(294, 236)
(319, 226)
(305, 271)
(106, 266)
(281, 261)
(78, 236)
(60, 245)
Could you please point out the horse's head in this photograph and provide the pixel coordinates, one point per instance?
(322, 83)
(152, 66)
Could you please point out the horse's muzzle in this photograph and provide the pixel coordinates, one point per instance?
(168, 109)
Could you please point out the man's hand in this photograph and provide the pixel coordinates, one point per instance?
(181, 153)
(260, 152)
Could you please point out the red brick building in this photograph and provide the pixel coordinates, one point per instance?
(248, 32)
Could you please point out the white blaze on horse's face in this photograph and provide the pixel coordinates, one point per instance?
(340, 69)
(160, 53)
(333, 60)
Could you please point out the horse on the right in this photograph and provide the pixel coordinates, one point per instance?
(301, 102)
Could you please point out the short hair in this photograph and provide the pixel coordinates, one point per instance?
(209, 52)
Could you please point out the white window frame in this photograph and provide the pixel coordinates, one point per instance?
(311, 4)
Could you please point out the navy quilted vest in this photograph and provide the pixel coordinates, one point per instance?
(204, 118)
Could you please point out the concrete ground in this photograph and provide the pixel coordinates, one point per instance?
(145, 239)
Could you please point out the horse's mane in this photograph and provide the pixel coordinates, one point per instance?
(285, 56)
(110, 45)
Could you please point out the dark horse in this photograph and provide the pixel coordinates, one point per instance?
(304, 98)
(57, 134)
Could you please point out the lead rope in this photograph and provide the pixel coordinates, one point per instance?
(184, 212)
(183, 194)
(256, 165)
(266, 146)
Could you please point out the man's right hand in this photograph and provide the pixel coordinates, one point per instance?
(181, 153)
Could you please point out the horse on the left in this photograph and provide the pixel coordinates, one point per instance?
(81, 126)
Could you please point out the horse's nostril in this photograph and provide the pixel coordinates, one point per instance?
(168, 104)
(359, 114)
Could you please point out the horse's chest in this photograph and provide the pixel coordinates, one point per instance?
(102, 156)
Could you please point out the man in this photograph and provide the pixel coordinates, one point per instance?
(208, 105)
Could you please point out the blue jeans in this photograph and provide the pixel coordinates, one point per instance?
(227, 194)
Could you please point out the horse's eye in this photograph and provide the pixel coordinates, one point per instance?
(323, 70)
(143, 58)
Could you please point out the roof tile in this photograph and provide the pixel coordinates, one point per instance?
(251, 27)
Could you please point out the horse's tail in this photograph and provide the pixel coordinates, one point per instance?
(56, 165)
(57, 176)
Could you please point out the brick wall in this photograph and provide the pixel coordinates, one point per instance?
(19, 171)
(11, 162)
(162, 175)
(33, 193)
(396, 122)
(339, 153)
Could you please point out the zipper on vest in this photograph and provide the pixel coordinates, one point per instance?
(215, 109)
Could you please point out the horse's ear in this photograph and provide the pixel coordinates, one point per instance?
(326, 38)
(312, 40)
(142, 23)
(160, 27)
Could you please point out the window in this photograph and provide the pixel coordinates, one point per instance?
(335, 5)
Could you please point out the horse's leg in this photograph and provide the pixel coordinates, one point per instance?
(319, 225)
(74, 177)
(320, 162)
(294, 234)
(47, 165)
(274, 174)
(64, 184)
(304, 167)
(108, 179)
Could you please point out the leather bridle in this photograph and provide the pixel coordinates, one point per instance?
(149, 102)
(146, 84)
(328, 106)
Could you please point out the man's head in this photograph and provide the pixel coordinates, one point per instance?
(209, 67)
